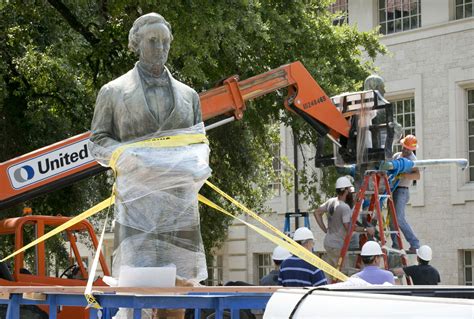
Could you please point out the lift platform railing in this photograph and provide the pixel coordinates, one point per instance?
(218, 299)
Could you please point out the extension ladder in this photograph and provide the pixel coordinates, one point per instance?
(374, 214)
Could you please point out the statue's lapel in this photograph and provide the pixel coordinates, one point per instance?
(177, 98)
(175, 91)
(134, 97)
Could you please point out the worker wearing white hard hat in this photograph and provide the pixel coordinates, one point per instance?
(271, 279)
(423, 273)
(304, 234)
(280, 254)
(372, 255)
(339, 213)
(344, 182)
(294, 271)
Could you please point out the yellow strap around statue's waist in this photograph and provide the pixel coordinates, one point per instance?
(164, 141)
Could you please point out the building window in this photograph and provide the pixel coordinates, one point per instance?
(275, 185)
(463, 9)
(264, 265)
(341, 9)
(470, 123)
(468, 260)
(404, 114)
(399, 15)
(215, 271)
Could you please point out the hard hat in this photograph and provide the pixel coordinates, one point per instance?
(371, 248)
(280, 253)
(343, 182)
(425, 253)
(375, 82)
(303, 233)
(27, 211)
(409, 142)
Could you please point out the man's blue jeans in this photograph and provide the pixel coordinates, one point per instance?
(401, 196)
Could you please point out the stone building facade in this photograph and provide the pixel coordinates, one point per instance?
(429, 76)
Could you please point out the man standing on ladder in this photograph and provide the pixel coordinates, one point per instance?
(401, 194)
(339, 213)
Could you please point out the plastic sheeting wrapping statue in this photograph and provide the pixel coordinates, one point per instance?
(156, 209)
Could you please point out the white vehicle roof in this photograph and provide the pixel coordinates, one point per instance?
(341, 304)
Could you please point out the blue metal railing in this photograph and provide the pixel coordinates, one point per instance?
(232, 302)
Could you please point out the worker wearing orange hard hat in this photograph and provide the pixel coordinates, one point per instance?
(409, 142)
(401, 194)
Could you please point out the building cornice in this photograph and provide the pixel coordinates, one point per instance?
(431, 31)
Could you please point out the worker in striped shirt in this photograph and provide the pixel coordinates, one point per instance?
(294, 271)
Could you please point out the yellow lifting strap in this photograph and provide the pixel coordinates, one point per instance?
(173, 141)
(91, 211)
(164, 141)
(280, 238)
(91, 301)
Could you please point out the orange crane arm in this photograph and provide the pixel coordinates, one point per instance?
(20, 178)
(305, 95)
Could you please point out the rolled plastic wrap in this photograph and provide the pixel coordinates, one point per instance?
(364, 136)
(156, 208)
(398, 166)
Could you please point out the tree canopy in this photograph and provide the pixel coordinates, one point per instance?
(57, 54)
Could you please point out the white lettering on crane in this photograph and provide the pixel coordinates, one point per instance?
(50, 164)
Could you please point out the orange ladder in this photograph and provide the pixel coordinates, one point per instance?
(373, 178)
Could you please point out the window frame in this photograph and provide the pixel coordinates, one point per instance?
(411, 114)
(262, 270)
(463, 6)
(470, 134)
(275, 185)
(466, 267)
(411, 86)
(215, 271)
(340, 7)
(385, 23)
(460, 80)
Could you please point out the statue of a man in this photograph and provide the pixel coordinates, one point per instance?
(156, 213)
(146, 99)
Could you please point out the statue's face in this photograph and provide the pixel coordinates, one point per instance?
(154, 44)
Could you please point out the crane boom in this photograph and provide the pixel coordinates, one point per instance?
(68, 161)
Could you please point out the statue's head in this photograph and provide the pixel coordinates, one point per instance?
(375, 82)
(150, 38)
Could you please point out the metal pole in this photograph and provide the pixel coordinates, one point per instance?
(460, 162)
(217, 124)
(13, 309)
(295, 163)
